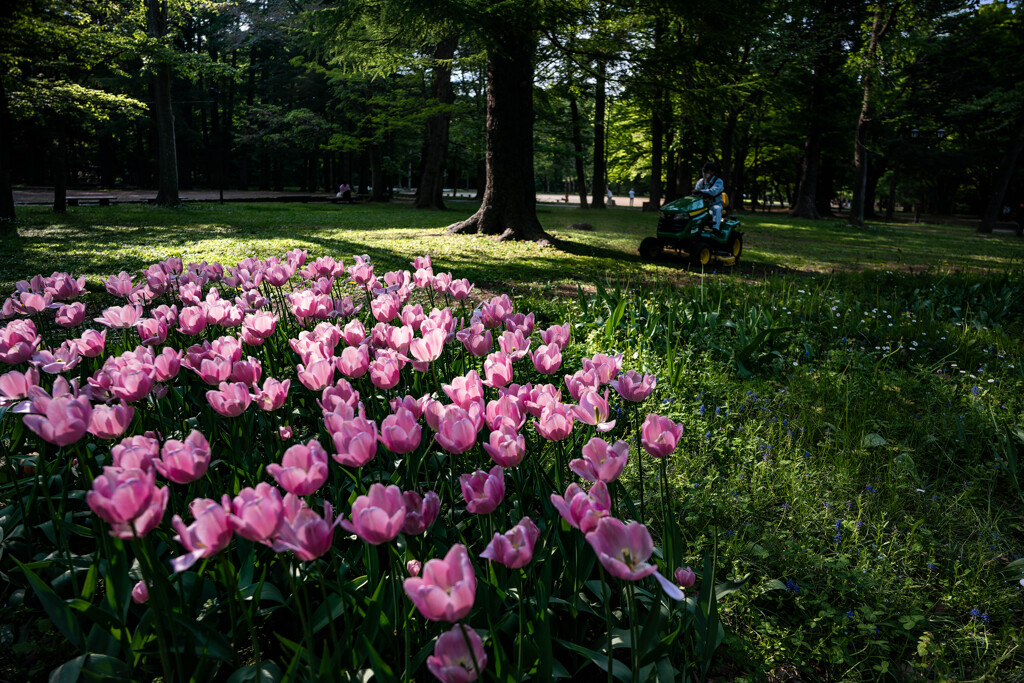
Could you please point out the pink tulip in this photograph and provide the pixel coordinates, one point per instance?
(633, 386)
(453, 661)
(152, 331)
(400, 432)
(128, 500)
(659, 435)
(385, 372)
(581, 382)
(18, 340)
(423, 277)
(483, 491)
(514, 344)
(120, 284)
(494, 311)
(230, 400)
(169, 314)
(110, 422)
(247, 371)
(135, 452)
(600, 461)
(261, 324)
(132, 383)
(606, 367)
(514, 548)
(205, 537)
(341, 393)
(555, 422)
(593, 410)
(385, 307)
(256, 513)
(213, 371)
(685, 577)
(420, 511)
(63, 286)
(413, 316)
(442, 281)
(413, 405)
(192, 320)
(353, 361)
(70, 315)
(273, 394)
(140, 593)
(476, 338)
(166, 365)
(557, 334)
(583, 509)
(623, 550)
(14, 385)
(446, 589)
(498, 370)
(428, 348)
(399, 339)
(504, 412)
(547, 359)
(413, 567)
(456, 430)
(317, 375)
(120, 317)
(91, 343)
(58, 361)
(303, 469)
(64, 421)
(506, 446)
(465, 390)
(355, 442)
(302, 531)
(378, 516)
(354, 333)
(460, 289)
(284, 432)
(185, 462)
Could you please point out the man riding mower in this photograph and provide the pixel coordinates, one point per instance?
(694, 225)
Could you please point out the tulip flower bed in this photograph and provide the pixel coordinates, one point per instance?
(302, 468)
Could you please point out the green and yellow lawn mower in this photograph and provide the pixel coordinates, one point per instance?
(686, 225)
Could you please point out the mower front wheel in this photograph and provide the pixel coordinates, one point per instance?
(650, 249)
(700, 254)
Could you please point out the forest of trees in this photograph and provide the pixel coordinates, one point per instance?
(890, 105)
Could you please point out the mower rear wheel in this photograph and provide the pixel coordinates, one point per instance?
(736, 248)
(650, 248)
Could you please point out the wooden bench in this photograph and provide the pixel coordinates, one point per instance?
(79, 201)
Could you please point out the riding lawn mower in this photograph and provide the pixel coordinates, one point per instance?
(686, 225)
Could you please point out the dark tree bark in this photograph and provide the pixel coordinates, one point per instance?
(7, 216)
(509, 207)
(1002, 181)
(879, 26)
(59, 158)
(378, 189)
(657, 152)
(577, 147)
(599, 180)
(163, 115)
(431, 188)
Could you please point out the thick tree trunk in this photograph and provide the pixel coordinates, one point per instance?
(599, 180)
(1006, 167)
(509, 207)
(657, 153)
(163, 115)
(577, 147)
(7, 216)
(378, 185)
(431, 187)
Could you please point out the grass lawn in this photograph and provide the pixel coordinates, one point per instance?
(853, 402)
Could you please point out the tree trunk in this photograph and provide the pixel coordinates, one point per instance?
(60, 171)
(861, 199)
(163, 115)
(378, 186)
(431, 188)
(1006, 168)
(7, 216)
(599, 180)
(509, 207)
(577, 147)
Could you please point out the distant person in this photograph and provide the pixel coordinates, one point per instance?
(611, 200)
(710, 187)
(345, 193)
(632, 196)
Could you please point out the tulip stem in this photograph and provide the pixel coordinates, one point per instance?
(606, 595)
(669, 521)
(522, 625)
(160, 607)
(633, 650)
(300, 608)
